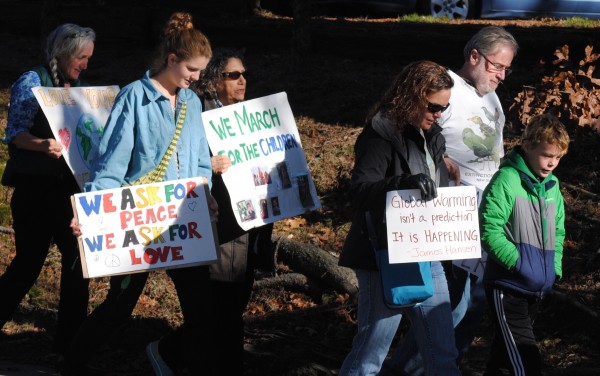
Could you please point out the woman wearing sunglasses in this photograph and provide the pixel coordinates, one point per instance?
(401, 147)
(223, 83)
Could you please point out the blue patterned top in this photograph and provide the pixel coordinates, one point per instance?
(23, 105)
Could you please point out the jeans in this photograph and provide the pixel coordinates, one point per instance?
(377, 326)
(468, 299)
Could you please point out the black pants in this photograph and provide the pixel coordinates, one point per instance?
(41, 211)
(230, 297)
(186, 347)
(514, 346)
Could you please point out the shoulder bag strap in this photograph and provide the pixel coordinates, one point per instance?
(157, 174)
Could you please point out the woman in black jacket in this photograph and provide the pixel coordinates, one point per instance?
(401, 147)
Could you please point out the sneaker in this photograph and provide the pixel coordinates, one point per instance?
(158, 363)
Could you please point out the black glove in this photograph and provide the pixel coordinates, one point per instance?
(421, 182)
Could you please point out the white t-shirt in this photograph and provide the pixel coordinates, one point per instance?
(473, 126)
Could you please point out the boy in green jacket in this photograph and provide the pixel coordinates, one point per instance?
(522, 227)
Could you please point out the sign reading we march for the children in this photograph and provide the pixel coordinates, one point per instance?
(269, 179)
(77, 116)
(445, 228)
(145, 227)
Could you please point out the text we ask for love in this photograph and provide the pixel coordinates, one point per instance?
(145, 227)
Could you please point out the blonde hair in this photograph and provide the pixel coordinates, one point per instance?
(181, 39)
(546, 128)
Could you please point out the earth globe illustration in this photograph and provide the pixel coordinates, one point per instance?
(88, 134)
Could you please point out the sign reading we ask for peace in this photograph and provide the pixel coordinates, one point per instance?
(145, 227)
(269, 178)
(445, 228)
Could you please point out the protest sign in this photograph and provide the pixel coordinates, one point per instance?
(77, 116)
(145, 227)
(445, 228)
(269, 178)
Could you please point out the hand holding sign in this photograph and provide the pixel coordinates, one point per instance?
(421, 182)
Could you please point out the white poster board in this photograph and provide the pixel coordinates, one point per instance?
(445, 228)
(77, 117)
(145, 227)
(269, 179)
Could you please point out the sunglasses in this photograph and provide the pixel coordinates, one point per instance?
(234, 75)
(433, 108)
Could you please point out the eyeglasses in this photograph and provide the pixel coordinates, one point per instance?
(234, 75)
(433, 108)
(496, 67)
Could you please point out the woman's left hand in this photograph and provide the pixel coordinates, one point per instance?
(453, 171)
(75, 227)
(220, 164)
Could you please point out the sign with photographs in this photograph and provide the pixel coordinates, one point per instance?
(145, 227)
(77, 116)
(269, 179)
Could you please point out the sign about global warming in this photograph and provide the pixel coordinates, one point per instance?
(145, 227)
(77, 116)
(445, 228)
(269, 178)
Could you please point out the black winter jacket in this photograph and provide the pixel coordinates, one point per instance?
(384, 155)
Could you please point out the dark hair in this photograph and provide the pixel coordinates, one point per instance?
(407, 96)
(206, 87)
(182, 39)
(66, 41)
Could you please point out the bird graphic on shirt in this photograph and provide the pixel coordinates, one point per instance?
(485, 147)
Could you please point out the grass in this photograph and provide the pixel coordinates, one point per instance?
(580, 22)
(419, 18)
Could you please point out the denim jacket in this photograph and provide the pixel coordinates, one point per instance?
(138, 131)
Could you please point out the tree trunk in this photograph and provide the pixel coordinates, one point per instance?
(316, 264)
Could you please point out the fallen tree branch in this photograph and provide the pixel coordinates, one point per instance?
(571, 301)
(315, 263)
(288, 281)
(581, 191)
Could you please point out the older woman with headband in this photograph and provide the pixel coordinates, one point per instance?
(43, 182)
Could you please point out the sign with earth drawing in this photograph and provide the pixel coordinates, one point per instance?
(77, 116)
